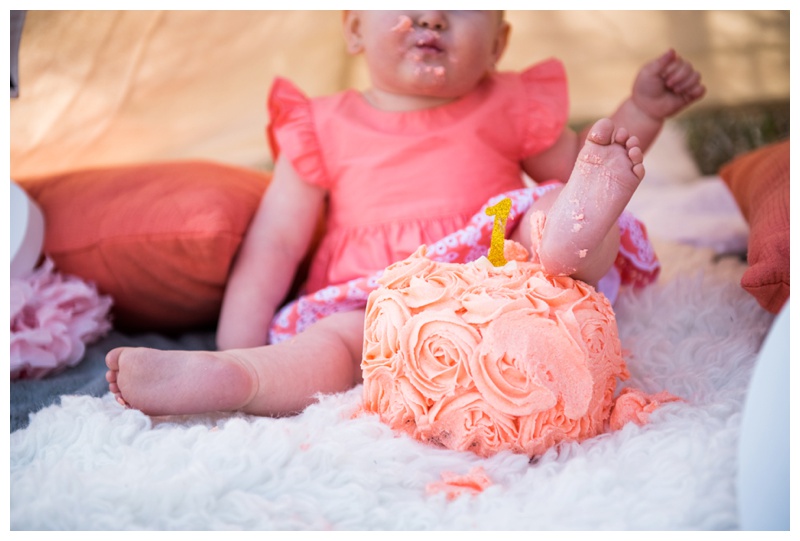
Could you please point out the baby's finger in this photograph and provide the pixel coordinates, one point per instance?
(660, 64)
(670, 64)
(692, 94)
(695, 93)
(692, 80)
(680, 73)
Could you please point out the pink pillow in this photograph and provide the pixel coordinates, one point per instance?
(159, 238)
(759, 181)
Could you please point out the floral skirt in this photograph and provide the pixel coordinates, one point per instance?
(636, 264)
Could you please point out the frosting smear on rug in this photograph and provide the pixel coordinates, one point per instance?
(489, 358)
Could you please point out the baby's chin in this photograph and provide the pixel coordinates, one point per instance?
(436, 82)
(447, 82)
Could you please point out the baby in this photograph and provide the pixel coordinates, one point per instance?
(406, 162)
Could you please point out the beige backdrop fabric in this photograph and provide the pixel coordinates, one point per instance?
(103, 88)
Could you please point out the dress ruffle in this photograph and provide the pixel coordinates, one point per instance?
(545, 86)
(291, 132)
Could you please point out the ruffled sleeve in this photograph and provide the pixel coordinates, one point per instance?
(545, 88)
(291, 132)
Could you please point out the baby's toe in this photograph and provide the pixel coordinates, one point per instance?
(602, 132)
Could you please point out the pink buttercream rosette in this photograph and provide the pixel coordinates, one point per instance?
(483, 358)
(53, 317)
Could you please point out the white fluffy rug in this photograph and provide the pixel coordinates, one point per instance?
(90, 464)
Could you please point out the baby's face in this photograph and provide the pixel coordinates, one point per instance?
(431, 53)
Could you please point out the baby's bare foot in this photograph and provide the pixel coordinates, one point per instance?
(179, 382)
(612, 155)
(580, 236)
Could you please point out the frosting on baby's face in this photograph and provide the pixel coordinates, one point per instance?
(433, 54)
(404, 24)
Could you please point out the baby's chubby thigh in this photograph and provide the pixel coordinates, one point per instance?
(326, 357)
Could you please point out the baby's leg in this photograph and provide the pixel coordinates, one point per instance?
(269, 380)
(580, 236)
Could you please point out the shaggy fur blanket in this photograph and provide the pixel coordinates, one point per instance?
(87, 463)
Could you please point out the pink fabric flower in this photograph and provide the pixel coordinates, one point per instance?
(53, 317)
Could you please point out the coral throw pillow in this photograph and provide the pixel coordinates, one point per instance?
(759, 181)
(159, 238)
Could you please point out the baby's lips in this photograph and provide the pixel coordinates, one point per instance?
(428, 40)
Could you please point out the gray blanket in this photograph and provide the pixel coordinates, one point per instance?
(89, 376)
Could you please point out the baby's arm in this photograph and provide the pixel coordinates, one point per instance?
(557, 162)
(276, 241)
(663, 87)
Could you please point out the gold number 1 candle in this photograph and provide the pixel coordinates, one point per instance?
(500, 212)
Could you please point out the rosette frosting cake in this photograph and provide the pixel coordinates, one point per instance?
(483, 358)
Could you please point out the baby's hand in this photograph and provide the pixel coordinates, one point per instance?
(666, 85)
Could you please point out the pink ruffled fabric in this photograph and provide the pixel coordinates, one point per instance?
(53, 317)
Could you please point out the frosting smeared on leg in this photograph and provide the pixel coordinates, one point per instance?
(581, 236)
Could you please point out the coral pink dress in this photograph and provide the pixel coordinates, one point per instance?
(397, 180)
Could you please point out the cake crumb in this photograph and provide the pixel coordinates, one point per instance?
(454, 485)
(514, 251)
(633, 405)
